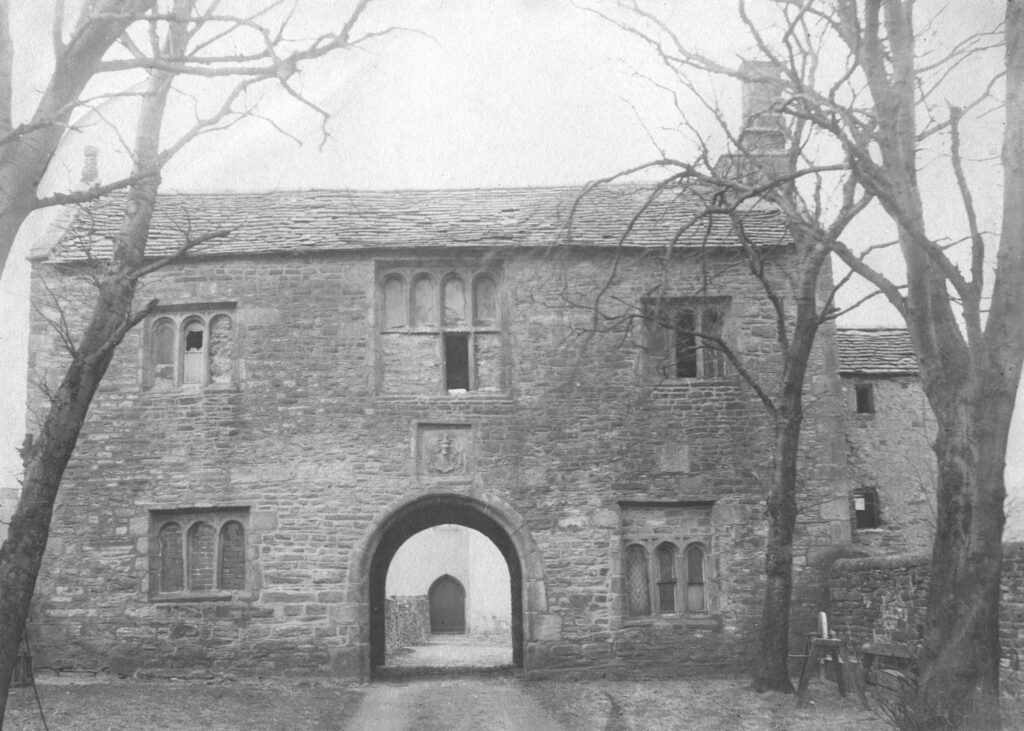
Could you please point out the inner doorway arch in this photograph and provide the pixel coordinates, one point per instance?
(427, 512)
(447, 600)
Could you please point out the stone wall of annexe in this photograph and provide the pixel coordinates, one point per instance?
(322, 423)
(408, 621)
(880, 603)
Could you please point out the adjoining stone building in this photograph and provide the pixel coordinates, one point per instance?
(349, 368)
(889, 429)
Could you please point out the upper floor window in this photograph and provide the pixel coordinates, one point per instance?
(864, 398)
(197, 552)
(682, 336)
(190, 347)
(439, 330)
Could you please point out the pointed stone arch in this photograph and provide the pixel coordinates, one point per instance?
(447, 602)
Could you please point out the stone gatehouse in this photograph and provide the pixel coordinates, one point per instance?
(348, 368)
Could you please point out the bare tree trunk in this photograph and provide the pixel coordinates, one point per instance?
(772, 672)
(22, 553)
(25, 152)
(772, 669)
(959, 679)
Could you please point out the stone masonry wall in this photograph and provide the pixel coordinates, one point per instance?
(890, 451)
(881, 603)
(304, 444)
(408, 621)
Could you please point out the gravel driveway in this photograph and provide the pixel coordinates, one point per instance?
(453, 704)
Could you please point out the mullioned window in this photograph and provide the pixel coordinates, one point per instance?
(196, 554)
(439, 330)
(190, 347)
(682, 336)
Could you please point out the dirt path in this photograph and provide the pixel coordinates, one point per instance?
(452, 704)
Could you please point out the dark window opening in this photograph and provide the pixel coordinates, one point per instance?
(865, 394)
(686, 346)
(666, 578)
(456, 361)
(865, 508)
(695, 596)
(193, 340)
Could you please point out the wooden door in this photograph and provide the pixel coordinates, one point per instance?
(447, 606)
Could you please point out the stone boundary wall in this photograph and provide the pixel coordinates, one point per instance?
(408, 621)
(881, 602)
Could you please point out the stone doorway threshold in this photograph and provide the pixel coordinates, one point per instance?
(449, 652)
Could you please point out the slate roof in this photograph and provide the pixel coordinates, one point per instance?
(876, 352)
(338, 220)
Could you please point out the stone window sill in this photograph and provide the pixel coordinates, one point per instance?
(191, 389)
(677, 385)
(448, 397)
(708, 621)
(183, 597)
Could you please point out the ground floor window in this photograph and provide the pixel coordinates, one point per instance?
(197, 552)
(665, 594)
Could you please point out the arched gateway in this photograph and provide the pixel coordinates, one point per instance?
(485, 514)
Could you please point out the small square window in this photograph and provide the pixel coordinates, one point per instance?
(864, 394)
(865, 508)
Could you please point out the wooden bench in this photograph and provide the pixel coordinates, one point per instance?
(891, 665)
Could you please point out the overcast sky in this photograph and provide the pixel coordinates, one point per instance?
(491, 93)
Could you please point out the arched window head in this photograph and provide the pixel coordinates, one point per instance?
(171, 558)
(666, 554)
(696, 595)
(163, 342)
(396, 308)
(454, 302)
(638, 593)
(164, 351)
(201, 549)
(485, 306)
(231, 572)
(424, 301)
(219, 350)
(193, 369)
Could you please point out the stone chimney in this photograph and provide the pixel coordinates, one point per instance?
(90, 166)
(763, 150)
(764, 127)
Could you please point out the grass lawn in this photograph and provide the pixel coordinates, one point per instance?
(254, 705)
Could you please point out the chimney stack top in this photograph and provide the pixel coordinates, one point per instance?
(90, 166)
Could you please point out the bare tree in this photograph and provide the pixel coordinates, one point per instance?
(27, 148)
(852, 79)
(182, 38)
(759, 175)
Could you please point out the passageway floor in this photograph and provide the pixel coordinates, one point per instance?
(456, 651)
